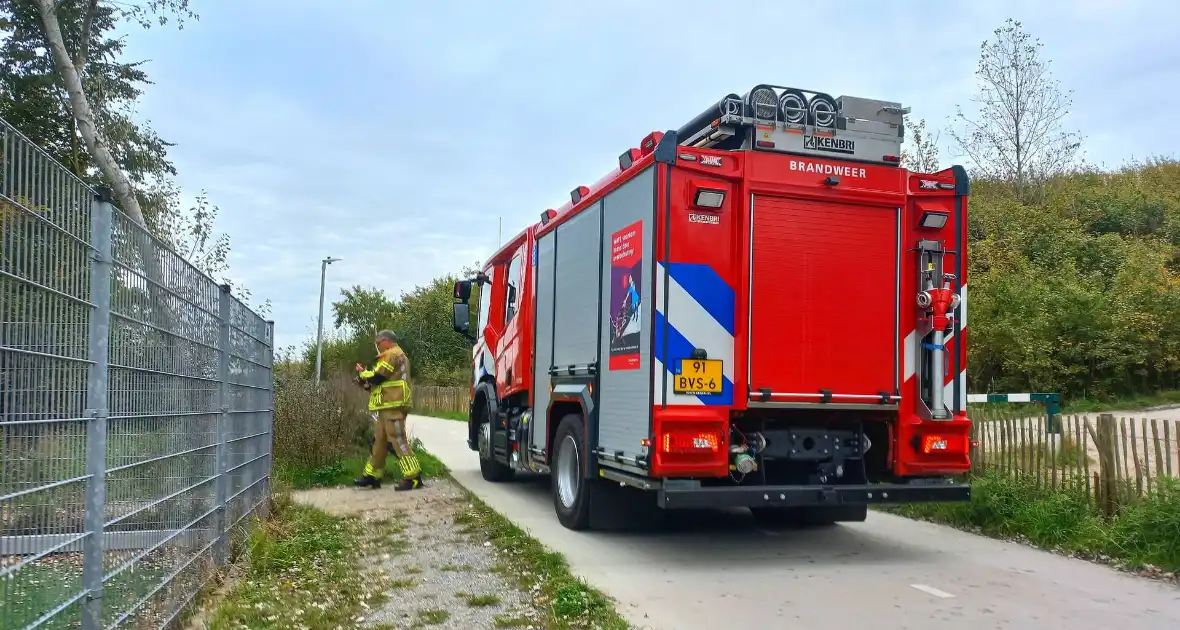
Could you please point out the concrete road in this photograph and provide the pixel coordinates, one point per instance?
(717, 570)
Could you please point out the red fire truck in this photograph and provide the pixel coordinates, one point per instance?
(760, 309)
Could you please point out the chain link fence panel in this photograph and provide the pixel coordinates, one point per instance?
(136, 406)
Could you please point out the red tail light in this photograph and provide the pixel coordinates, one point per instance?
(686, 442)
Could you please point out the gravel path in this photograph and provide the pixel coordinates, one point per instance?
(442, 576)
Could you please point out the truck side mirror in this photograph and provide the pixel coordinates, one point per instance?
(461, 319)
(463, 290)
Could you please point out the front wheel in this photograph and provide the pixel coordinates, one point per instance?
(489, 468)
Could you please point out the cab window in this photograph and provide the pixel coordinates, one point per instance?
(513, 293)
(485, 303)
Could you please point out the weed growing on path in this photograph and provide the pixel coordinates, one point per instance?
(568, 600)
(300, 570)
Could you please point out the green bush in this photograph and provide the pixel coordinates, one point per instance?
(317, 426)
(1078, 294)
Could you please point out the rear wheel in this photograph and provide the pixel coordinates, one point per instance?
(489, 468)
(583, 503)
(571, 499)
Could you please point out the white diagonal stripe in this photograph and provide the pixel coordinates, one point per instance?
(907, 354)
(691, 319)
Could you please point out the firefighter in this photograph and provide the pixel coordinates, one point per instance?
(388, 384)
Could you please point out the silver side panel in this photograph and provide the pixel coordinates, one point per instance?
(576, 302)
(624, 395)
(544, 337)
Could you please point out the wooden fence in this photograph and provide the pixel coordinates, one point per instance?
(448, 400)
(1113, 460)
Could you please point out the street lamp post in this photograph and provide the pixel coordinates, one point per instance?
(319, 330)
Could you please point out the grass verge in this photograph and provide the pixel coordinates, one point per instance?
(300, 570)
(299, 477)
(445, 415)
(1145, 535)
(569, 603)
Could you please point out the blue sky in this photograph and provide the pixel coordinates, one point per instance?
(394, 135)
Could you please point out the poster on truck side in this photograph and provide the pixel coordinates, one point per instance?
(626, 296)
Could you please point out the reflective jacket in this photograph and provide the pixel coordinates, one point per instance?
(389, 381)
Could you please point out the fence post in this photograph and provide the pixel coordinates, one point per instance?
(97, 381)
(221, 547)
(1106, 439)
(270, 415)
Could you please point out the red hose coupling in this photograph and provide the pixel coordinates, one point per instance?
(940, 302)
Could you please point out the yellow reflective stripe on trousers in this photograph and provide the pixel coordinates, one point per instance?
(409, 465)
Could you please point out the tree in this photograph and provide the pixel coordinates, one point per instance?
(922, 157)
(1017, 135)
(363, 311)
(421, 318)
(34, 74)
(71, 67)
(34, 99)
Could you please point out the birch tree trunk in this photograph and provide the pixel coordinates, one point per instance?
(157, 287)
(71, 75)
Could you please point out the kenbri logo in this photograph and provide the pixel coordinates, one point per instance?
(827, 169)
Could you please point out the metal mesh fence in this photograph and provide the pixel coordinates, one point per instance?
(136, 406)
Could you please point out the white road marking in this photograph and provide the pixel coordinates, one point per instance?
(932, 591)
(770, 532)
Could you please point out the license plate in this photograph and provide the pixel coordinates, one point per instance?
(698, 376)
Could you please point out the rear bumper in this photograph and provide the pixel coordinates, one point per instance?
(694, 496)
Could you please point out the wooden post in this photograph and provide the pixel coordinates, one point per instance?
(1085, 442)
(1168, 447)
(1106, 440)
(1159, 451)
(1051, 446)
(1135, 459)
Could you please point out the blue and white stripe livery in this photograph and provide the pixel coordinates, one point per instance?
(700, 315)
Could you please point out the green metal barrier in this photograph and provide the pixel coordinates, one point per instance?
(1052, 404)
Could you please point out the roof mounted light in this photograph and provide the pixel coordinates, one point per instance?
(649, 143)
(629, 158)
(821, 111)
(578, 194)
(548, 216)
(708, 198)
(762, 103)
(793, 106)
(934, 220)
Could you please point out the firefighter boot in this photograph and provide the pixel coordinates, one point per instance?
(371, 478)
(367, 481)
(409, 483)
(411, 473)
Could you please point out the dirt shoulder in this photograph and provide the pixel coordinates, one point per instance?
(439, 569)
